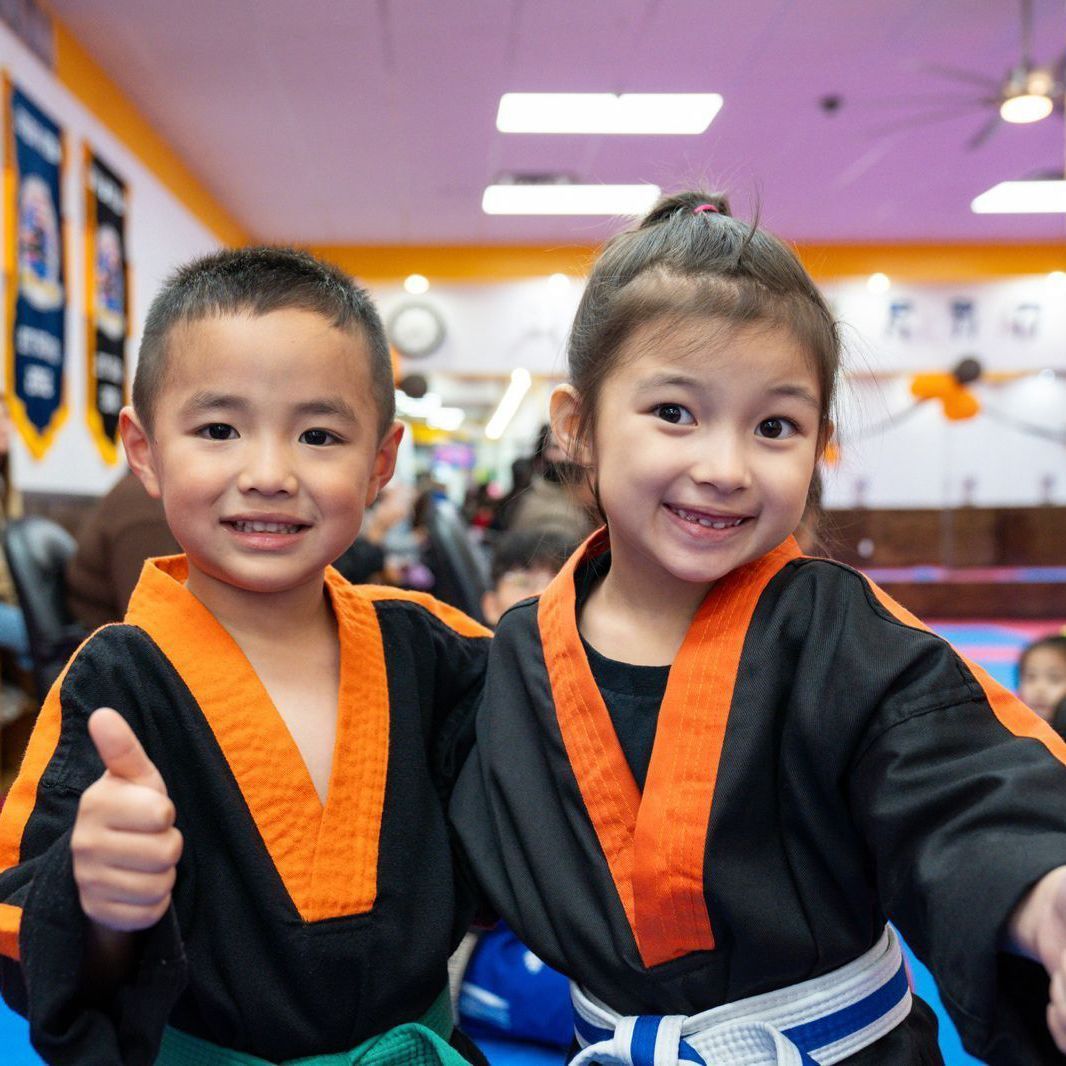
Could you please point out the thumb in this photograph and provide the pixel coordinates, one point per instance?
(121, 751)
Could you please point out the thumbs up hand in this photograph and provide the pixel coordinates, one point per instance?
(125, 845)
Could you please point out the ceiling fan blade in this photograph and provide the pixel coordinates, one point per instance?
(984, 133)
(968, 76)
(914, 121)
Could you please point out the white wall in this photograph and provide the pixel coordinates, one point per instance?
(161, 233)
(923, 461)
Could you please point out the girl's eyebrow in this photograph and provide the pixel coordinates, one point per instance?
(668, 378)
(798, 392)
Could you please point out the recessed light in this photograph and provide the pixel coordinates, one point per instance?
(879, 283)
(569, 199)
(648, 113)
(416, 284)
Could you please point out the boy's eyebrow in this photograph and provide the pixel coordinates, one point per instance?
(206, 402)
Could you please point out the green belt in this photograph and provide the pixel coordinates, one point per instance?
(421, 1043)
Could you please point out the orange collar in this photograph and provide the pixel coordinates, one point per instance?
(654, 843)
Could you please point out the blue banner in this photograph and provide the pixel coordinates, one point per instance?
(37, 298)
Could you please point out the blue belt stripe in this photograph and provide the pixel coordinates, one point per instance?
(848, 1020)
(642, 1044)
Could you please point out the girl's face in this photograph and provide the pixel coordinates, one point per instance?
(1043, 681)
(704, 448)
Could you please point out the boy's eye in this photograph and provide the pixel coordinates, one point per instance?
(776, 428)
(217, 431)
(674, 413)
(317, 437)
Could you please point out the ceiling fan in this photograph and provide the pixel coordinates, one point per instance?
(1027, 93)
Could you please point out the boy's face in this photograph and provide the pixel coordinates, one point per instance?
(513, 586)
(265, 449)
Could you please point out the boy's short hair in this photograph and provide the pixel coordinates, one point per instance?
(257, 281)
(531, 549)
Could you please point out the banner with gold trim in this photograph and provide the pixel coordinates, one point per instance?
(35, 271)
(106, 297)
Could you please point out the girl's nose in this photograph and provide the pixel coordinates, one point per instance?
(723, 463)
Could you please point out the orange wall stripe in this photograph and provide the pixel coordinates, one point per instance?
(1008, 709)
(487, 264)
(671, 837)
(86, 80)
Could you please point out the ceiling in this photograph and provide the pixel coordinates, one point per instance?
(373, 121)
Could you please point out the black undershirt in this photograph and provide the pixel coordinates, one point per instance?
(632, 694)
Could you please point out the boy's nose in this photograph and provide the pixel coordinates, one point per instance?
(269, 472)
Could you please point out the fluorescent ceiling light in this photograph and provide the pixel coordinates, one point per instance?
(680, 113)
(1022, 198)
(551, 199)
(509, 403)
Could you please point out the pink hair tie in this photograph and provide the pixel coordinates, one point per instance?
(706, 207)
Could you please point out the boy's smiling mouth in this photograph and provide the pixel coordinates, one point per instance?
(264, 525)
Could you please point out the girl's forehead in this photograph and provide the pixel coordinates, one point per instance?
(711, 348)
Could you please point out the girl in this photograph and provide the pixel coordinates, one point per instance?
(708, 769)
(1042, 679)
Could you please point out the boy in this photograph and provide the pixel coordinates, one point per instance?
(523, 562)
(290, 737)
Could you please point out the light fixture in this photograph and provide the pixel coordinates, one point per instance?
(1029, 96)
(509, 403)
(879, 283)
(567, 199)
(668, 113)
(416, 284)
(448, 419)
(1045, 197)
(1026, 107)
(1057, 277)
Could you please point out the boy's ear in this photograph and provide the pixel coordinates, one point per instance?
(384, 462)
(139, 453)
(565, 414)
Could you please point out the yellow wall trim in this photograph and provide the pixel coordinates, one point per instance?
(902, 262)
(83, 77)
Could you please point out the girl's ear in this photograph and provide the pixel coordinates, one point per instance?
(139, 455)
(565, 409)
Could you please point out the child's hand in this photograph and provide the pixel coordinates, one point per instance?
(125, 845)
(1038, 928)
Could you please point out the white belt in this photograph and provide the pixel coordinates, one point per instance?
(814, 1023)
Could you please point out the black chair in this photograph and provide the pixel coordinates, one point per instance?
(457, 564)
(37, 551)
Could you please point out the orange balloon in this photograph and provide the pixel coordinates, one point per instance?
(960, 404)
(932, 386)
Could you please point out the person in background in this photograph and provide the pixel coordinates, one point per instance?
(1042, 679)
(13, 635)
(124, 528)
(558, 495)
(521, 478)
(366, 558)
(523, 562)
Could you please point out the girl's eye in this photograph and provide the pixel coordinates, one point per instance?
(217, 431)
(675, 414)
(777, 428)
(317, 437)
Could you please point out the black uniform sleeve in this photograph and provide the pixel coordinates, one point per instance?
(37, 890)
(962, 816)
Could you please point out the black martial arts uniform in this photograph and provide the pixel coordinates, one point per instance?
(295, 928)
(821, 762)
